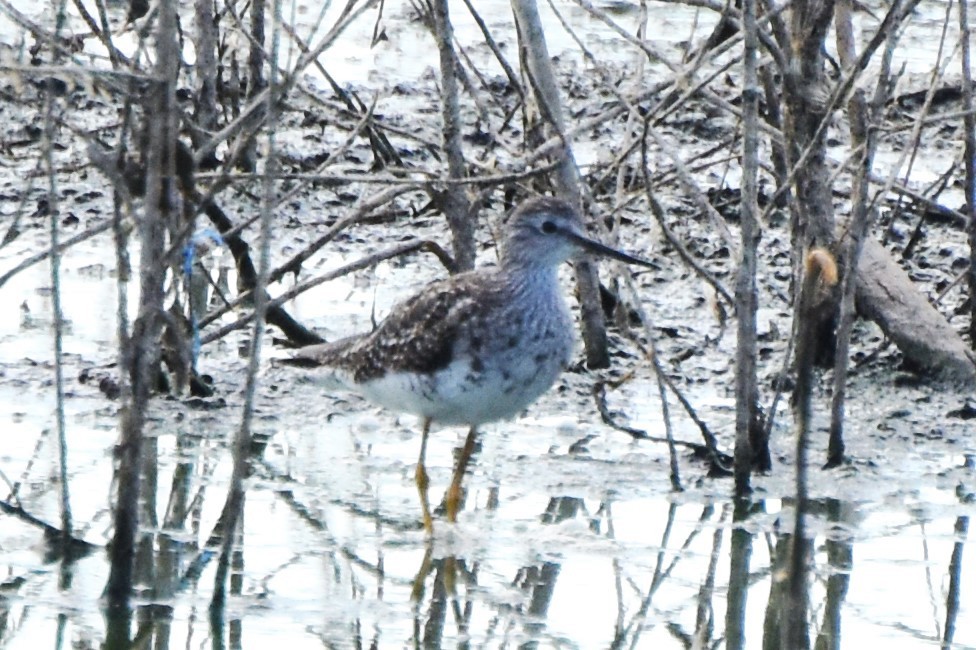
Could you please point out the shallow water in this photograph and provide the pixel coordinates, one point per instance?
(560, 545)
(332, 542)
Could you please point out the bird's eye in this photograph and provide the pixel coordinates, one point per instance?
(548, 227)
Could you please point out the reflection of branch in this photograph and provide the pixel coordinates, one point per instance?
(76, 545)
(539, 581)
(636, 624)
(316, 524)
(282, 489)
(955, 562)
(740, 551)
(840, 558)
(269, 473)
(704, 623)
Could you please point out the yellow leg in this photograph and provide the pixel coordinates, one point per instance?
(450, 575)
(417, 591)
(452, 499)
(423, 481)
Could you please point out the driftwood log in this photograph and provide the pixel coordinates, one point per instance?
(887, 296)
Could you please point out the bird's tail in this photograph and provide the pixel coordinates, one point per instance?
(319, 362)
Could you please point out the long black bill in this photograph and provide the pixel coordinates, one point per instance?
(597, 248)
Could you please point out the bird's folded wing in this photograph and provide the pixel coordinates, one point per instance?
(417, 336)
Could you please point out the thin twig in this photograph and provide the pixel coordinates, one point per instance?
(54, 218)
(61, 247)
(659, 214)
(234, 505)
(366, 262)
(251, 114)
(542, 78)
(749, 445)
(969, 126)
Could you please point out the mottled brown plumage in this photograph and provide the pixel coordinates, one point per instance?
(417, 337)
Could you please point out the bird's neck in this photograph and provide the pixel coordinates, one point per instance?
(531, 281)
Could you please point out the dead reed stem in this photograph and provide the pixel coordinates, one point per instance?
(749, 443)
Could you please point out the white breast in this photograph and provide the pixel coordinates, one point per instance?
(495, 383)
(459, 395)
